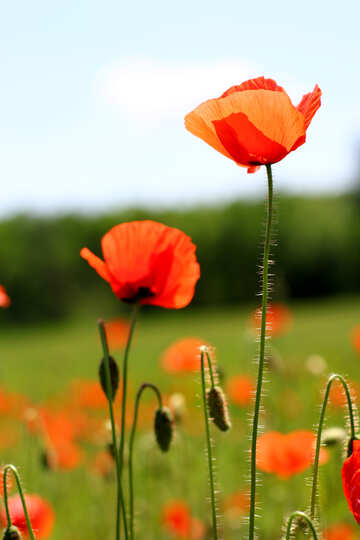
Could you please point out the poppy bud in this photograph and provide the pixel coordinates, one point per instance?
(333, 436)
(218, 408)
(114, 377)
(163, 428)
(11, 533)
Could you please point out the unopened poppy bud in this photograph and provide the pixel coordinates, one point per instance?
(218, 408)
(163, 428)
(12, 533)
(333, 436)
(114, 377)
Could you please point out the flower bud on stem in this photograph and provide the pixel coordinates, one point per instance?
(10, 528)
(331, 379)
(132, 440)
(109, 395)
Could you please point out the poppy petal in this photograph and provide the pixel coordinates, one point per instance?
(309, 105)
(260, 83)
(245, 143)
(96, 263)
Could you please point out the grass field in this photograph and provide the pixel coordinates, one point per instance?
(40, 362)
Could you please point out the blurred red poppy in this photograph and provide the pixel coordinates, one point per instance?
(254, 123)
(41, 513)
(177, 520)
(4, 298)
(149, 263)
(237, 504)
(287, 454)
(117, 332)
(183, 355)
(241, 389)
(340, 531)
(278, 320)
(351, 480)
(355, 338)
(337, 394)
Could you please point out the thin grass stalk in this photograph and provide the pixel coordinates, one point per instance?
(331, 379)
(131, 449)
(302, 516)
(120, 503)
(209, 449)
(265, 285)
(15, 472)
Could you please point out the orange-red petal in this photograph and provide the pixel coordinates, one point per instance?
(310, 104)
(96, 263)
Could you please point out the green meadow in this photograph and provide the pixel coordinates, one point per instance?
(40, 362)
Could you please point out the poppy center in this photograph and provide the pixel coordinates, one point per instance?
(139, 294)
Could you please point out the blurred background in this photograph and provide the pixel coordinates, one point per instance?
(92, 101)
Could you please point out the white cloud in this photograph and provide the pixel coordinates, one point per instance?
(149, 88)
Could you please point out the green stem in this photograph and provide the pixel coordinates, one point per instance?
(261, 354)
(332, 378)
(209, 449)
(14, 470)
(301, 515)
(131, 448)
(212, 378)
(124, 386)
(120, 496)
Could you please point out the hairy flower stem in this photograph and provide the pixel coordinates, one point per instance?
(265, 280)
(304, 517)
(331, 379)
(131, 448)
(120, 503)
(14, 470)
(208, 442)
(124, 385)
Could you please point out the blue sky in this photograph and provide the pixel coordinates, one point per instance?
(93, 95)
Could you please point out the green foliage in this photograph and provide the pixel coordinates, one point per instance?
(318, 254)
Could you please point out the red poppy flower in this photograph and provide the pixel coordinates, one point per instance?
(177, 520)
(254, 123)
(149, 263)
(41, 513)
(340, 531)
(183, 356)
(355, 338)
(337, 394)
(4, 298)
(237, 504)
(351, 480)
(286, 455)
(278, 320)
(241, 389)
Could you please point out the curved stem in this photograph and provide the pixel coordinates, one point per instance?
(332, 378)
(209, 449)
(302, 515)
(261, 354)
(124, 386)
(14, 470)
(131, 447)
(120, 495)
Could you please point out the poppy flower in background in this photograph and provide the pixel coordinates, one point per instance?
(278, 320)
(340, 531)
(355, 338)
(287, 454)
(4, 298)
(149, 263)
(337, 396)
(254, 123)
(350, 473)
(117, 332)
(41, 513)
(183, 356)
(237, 504)
(178, 521)
(241, 389)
